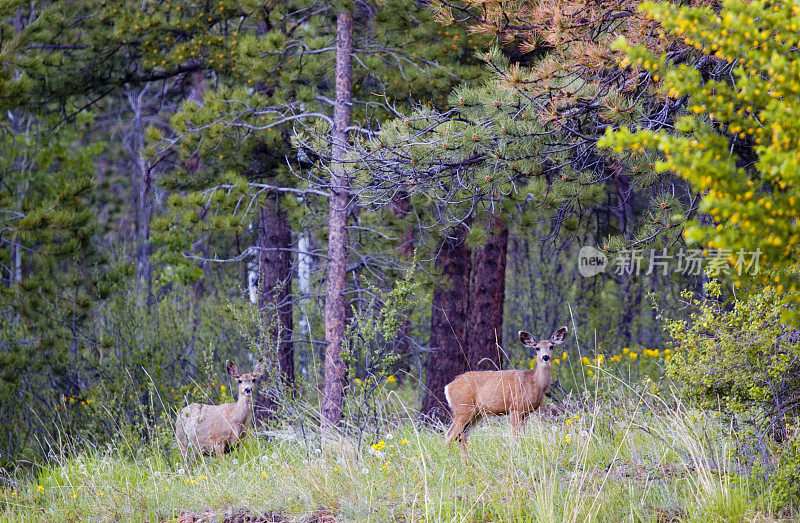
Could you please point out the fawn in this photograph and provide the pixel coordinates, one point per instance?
(475, 394)
(217, 428)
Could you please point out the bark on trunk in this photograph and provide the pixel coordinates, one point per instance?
(193, 165)
(142, 188)
(401, 207)
(333, 388)
(487, 293)
(275, 307)
(448, 324)
(626, 214)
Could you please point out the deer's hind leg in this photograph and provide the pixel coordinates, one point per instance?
(462, 440)
(463, 418)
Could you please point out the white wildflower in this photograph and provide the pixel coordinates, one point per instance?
(235, 461)
(181, 472)
(365, 471)
(274, 455)
(389, 436)
(318, 451)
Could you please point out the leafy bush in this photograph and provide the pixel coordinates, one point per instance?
(370, 351)
(743, 360)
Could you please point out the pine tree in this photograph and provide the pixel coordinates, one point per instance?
(239, 130)
(753, 203)
(51, 271)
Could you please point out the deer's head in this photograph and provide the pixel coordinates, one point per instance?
(543, 349)
(247, 382)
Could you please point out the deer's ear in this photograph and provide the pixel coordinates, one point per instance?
(261, 367)
(559, 335)
(527, 339)
(233, 370)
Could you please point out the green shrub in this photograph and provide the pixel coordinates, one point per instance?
(370, 351)
(741, 359)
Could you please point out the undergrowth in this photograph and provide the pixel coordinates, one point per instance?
(633, 457)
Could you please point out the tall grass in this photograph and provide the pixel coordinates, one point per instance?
(637, 457)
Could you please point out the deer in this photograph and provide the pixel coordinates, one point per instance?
(207, 429)
(476, 394)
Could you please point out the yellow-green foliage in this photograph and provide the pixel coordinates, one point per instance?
(741, 358)
(754, 109)
(745, 361)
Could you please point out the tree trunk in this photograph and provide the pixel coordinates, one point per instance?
(401, 207)
(449, 315)
(304, 264)
(487, 292)
(626, 213)
(275, 306)
(142, 188)
(333, 389)
(194, 164)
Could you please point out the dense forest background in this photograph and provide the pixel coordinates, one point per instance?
(367, 195)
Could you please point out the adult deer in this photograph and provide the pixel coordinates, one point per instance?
(218, 428)
(475, 394)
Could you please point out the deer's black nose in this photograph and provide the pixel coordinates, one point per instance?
(545, 358)
(248, 390)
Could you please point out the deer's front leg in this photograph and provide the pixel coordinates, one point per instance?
(523, 420)
(517, 423)
(218, 448)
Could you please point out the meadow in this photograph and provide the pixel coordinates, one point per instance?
(613, 452)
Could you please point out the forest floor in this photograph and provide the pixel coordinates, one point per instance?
(629, 458)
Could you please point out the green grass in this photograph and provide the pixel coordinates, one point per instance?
(630, 458)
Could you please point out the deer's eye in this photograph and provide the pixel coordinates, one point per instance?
(239, 381)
